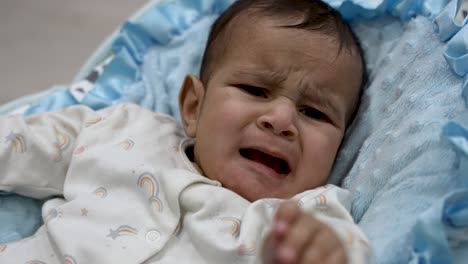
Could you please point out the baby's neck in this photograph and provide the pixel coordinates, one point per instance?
(191, 156)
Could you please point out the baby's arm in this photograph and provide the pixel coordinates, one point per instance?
(35, 151)
(327, 236)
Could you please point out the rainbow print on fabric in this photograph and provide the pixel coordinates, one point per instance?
(321, 201)
(62, 142)
(101, 192)
(62, 139)
(92, 121)
(247, 249)
(123, 230)
(235, 225)
(163, 119)
(156, 203)
(67, 259)
(127, 144)
(17, 141)
(150, 185)
(80, 150)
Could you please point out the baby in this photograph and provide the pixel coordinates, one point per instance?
(279, 84)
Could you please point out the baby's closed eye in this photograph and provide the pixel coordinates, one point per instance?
(314, 113)
(253, 90)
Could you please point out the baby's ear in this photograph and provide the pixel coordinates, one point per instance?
(190, 102)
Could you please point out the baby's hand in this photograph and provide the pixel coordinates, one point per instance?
(297, 237)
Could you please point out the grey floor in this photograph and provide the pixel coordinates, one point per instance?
(45, 42)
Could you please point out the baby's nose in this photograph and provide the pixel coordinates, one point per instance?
(280, 118)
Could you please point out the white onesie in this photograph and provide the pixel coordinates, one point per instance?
(122, 190)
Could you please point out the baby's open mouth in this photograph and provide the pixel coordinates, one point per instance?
(277, 164)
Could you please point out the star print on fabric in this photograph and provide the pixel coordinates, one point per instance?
(123, 230)
(113, 234)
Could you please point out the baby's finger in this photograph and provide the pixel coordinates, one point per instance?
(298, 239)
(285, 216)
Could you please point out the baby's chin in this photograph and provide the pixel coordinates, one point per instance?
(254, 192)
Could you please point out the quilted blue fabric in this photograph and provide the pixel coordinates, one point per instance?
(405, 156)
(395, 160)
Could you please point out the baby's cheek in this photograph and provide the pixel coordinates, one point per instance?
(323, 146)
(318, 158)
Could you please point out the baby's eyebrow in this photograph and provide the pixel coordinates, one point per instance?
(268, 77)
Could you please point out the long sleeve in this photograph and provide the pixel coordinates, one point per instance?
(35, 151)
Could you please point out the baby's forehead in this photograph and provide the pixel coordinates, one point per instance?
(250, 22)
(245, 32)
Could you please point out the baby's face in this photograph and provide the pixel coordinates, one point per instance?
(274, 113)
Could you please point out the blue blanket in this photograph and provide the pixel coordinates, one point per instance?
(405, 156)
(397, 161)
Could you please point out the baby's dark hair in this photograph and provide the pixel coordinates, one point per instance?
(317, 17)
